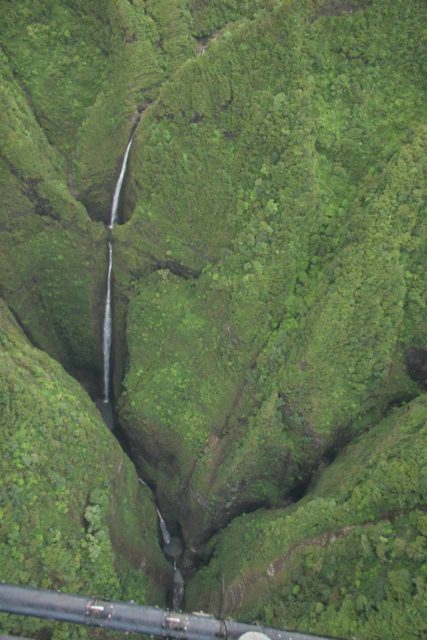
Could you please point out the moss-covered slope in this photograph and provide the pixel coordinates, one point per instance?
(73, 515)
(349, 559)
(273, 257)
(51, 257)
(270, 296)
(86, 69)
(74, 77)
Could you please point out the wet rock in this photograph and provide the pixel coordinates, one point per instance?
(178, 588)
(174, 548)
(416, 365)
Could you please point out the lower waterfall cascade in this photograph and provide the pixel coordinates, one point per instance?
(107, 328)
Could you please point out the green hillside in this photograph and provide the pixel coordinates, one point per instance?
(73, 515)
(269, 292)
(273, 255)
(348, 560)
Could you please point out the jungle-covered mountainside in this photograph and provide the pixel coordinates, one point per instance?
(270, 328)
(345, 560)
(73, 515)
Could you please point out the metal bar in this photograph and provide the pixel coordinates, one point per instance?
(41, 603)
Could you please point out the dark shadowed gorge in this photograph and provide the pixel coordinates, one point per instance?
(268, 361)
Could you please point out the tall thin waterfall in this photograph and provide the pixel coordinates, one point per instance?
(172, 546)
(118, 189)
(108, 316)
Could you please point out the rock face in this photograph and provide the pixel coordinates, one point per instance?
(346, 561)
(273, 256)
(73, 515)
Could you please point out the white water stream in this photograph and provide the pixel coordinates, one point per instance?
(108, 320)
(107, 331)
(171, 550)
(163, 528)
(178, 581)
(119, 184)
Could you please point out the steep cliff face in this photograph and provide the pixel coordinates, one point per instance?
(51, 258)
(273, 256)
(86, 69)
(73, 515)
(347, 560)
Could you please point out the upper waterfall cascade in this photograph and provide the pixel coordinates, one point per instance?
(108, 316)
(119, 185)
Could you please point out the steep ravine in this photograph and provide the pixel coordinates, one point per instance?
(172, 545)
(185, 560)
(294, 494)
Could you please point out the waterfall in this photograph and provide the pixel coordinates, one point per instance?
(172, 546)
(163, 528)
(118, 189)
(108, 316)
(106, 337)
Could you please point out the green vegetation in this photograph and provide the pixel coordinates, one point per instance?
(349, 559)
(73, 515)
(46, 238)
(270, 329)
(209, 16)
(283, 169)
(86, 68)
(73, 76)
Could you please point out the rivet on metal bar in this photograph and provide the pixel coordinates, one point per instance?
(175, 623)
(96, 610)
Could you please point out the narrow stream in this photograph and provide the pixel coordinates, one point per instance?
(172, 546)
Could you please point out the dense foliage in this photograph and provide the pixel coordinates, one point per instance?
(278, 186)
(270, 329)
(73, 515)
(349, 559)
(73, 78)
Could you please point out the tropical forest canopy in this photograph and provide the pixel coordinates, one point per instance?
(269, 307)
